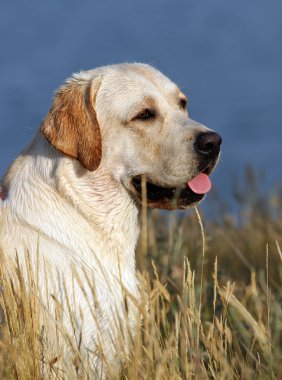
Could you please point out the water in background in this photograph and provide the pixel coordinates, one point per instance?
(226, 55)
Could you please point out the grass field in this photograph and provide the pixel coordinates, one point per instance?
(212, 300)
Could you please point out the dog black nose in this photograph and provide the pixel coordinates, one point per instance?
(208, 143)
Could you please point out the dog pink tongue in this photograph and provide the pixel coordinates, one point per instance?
(201, 184)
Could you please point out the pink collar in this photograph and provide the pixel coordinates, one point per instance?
(3, 193)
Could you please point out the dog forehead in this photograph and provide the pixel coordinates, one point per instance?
(141, 75)
(126, 85)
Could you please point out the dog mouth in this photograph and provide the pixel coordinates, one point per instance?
(171, 198)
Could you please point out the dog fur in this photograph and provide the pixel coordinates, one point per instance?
(70, 202)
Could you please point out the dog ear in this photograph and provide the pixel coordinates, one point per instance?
(71, 125)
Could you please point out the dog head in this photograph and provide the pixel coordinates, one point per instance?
(132, 121)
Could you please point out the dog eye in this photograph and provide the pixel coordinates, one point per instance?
(183, 103)
(145, 115)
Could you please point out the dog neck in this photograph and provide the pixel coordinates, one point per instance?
(92, 201)
(101, 200)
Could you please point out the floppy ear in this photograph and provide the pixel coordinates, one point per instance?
(71, 125)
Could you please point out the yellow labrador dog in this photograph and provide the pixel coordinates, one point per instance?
(72, 198)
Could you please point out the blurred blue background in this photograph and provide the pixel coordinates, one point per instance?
(226, 56)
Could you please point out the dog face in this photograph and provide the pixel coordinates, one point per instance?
(132, 122)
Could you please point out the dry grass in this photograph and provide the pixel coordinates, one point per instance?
(211, 303)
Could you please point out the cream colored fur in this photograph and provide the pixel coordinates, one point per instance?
(75, 220)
